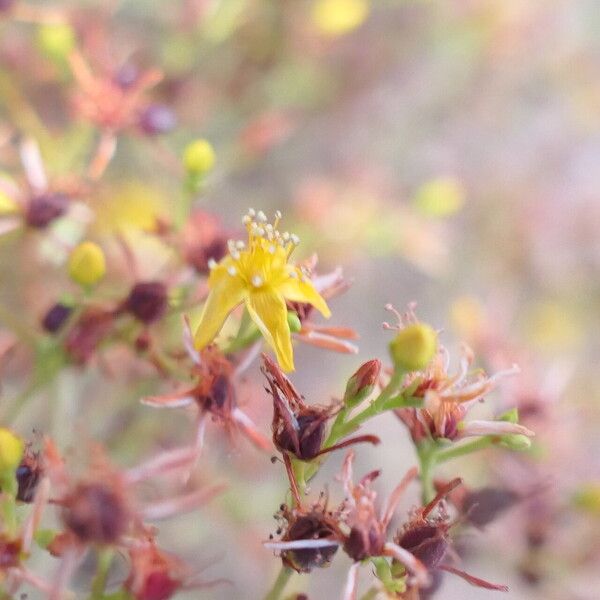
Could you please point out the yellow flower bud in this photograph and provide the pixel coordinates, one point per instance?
(56, 40)
(337, 17)
(199, 157)
(413, 347)
(11, 450)
(86, 264)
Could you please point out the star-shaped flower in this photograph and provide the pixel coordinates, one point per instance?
(259, 275)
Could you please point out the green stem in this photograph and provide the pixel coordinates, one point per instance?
(383, 402)
(341, 428)
(104, 560)
(278, 587)
(428, 458)
(463, 449)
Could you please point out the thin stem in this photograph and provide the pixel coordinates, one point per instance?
(279, 586)
(428, 459)
(463, 449)
(371, 594)
(342, 428)
(104, 560)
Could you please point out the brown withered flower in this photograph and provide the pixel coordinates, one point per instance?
(299, 429)
(154, 574)
(311, 536)
(35, 202)
(214, 394)
(369, 528)
(427, 538)
(111, 102)
(90, 329)
(103, 506)
(448, 397)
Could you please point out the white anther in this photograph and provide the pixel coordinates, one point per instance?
(261, 216)
(260, 232)
(278, 214)
(235, 255)
(212, 263)
(293, 275)
(286, 236)
(272, 249)
(295, 239)
(240, 245)
(246, 219)
(257, 281)
(231, 270)
(251, 212)
(269, 227)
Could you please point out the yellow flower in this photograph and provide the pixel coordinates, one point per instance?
(259, 275)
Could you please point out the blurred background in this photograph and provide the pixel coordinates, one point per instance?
(442, 152)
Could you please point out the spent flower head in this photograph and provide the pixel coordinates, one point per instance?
(259, 275)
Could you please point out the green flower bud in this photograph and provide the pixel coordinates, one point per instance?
(294, 321)
(362, 383)
(515, 441)
(413, 347)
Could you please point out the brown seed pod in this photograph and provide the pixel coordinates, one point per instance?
(147, 301)
(96, 512)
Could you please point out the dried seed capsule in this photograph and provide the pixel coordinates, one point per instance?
(56, 316)
(364, 540)
(44, 208)
(95, 513)
(484, 505)
(147, 301)
(311, 526)
(426, 542)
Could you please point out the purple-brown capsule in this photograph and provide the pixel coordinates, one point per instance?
(95, 512)
(45, 208)
(56, 317)
(426, 542)
(147, 301)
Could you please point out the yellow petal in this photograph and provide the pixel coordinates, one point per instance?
(225, 294)
(296, 290)
(269, 312)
